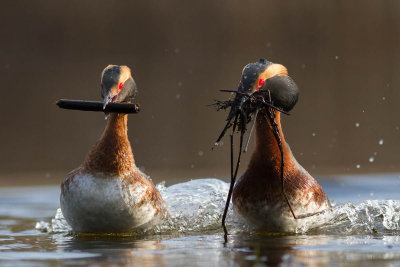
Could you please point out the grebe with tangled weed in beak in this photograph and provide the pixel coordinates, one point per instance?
(275, 190)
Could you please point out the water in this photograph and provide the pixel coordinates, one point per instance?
(362, 230)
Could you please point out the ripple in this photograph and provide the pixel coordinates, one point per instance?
(33, 255)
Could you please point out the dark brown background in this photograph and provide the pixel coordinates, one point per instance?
(344, 55)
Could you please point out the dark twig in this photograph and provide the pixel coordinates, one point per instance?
(243, 121)
(228, 199)
(98, 106)
(227, 126)
(279, 141)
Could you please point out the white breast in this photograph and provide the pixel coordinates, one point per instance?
(278, 217)
(92, 204)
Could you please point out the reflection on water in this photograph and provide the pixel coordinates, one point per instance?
(364, 230)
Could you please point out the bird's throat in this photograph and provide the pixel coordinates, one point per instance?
(267, 151)
(112, 154)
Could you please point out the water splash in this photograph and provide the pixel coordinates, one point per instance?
(197, 205)
(194, 206)
(368, 217)
(58, 224)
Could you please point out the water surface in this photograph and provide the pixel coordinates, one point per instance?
(362, 230)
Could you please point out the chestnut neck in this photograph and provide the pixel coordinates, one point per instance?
(112, 154)
(267, 152)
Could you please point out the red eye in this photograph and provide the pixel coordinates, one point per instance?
(260, 83)
(121, 85)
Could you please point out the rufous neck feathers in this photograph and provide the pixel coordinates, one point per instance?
(112, 154)
(267, 150)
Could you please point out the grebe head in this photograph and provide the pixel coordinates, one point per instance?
(117, 84)
(272, 81)
(250, 74)
(264, 87)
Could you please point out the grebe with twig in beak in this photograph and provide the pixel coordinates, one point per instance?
(108, 193)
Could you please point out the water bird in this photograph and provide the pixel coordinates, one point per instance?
(108, 193)
(275, 191)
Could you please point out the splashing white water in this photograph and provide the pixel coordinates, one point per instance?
(197, 205)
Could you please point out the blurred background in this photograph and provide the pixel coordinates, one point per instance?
(344, 56)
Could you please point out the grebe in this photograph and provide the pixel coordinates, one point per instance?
(108, 193)
(257, 195)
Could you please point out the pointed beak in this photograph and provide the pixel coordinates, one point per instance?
(109, 99)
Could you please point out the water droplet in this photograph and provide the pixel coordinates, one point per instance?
(371, 194)
(397, 128)
(177, 50)
(387, 84)
(380, 142)
(358, 166)
(371, 159)
(383, 98)
(220, 143)
(192, 166)
(201, 153)
(303, 66)
(313, 134)
(313, 166)
(336, 57)
(269, 44)
(363, 111)
(375, 153)
(179, 84)
(301, 153)
(357, 124)
(177, 96)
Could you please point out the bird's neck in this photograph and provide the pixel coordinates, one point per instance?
(112, 154)
(267, 153)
